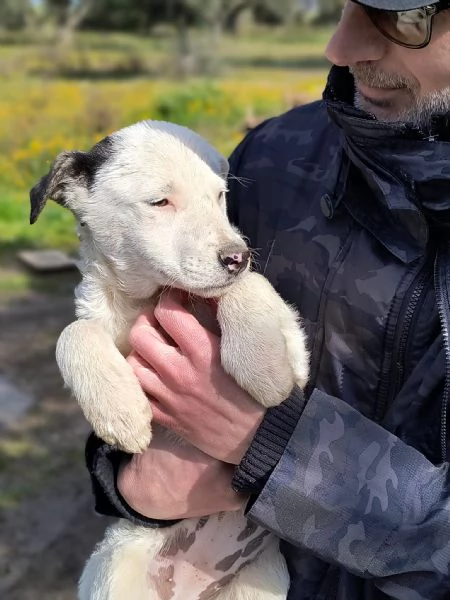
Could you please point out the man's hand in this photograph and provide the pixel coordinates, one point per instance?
(190, 392)
(172, 481)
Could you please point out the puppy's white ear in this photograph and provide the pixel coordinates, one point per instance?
(223, 166)
(212, 157)
(207, 152)
(67, 171)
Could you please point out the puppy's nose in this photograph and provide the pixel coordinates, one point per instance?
(234, 258)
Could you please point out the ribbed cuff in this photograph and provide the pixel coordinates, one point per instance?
(103, 463)
(268, 445)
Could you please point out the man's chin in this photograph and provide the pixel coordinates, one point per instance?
(381, 109)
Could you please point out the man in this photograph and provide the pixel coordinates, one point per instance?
(348, 202)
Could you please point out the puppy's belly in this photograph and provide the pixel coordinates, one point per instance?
(205, 555)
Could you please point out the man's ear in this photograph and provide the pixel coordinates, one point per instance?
(69, 170)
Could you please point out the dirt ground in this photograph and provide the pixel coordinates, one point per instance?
(47, 523)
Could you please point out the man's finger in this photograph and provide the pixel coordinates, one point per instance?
(153, 347)
(166, 420)
(148, 319)
(150, 379)
(191, 337)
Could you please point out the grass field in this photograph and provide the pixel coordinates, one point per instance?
(50, 103)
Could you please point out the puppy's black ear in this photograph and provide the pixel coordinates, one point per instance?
(70, 172)
(67, 170)
(38, 198)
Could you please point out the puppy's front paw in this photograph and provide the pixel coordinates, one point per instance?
(105, 386)
(128, 428)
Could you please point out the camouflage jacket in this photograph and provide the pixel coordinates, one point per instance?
(351, 221)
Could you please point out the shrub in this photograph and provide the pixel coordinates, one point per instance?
(198, 105)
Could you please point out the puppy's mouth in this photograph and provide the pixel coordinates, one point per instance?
(205, 291)
(198, 283)
(210, 291)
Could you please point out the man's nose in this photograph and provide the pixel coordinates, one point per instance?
(234, 258)
(356, 39)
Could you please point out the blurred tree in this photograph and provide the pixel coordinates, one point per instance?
(274, 12)
(321, 11)
(136, 15)
(15, 14)
(214, 16)
(67, 15)
(329, 10)
(141, 15)
(225, 12)
(220, 15)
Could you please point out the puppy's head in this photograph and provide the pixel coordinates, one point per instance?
(150, 199)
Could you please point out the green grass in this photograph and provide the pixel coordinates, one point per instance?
(109, 52)
(29, 469)
(55, 227)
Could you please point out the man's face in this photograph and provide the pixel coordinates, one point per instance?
(392, 82)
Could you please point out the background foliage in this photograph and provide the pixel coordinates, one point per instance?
(73, 71)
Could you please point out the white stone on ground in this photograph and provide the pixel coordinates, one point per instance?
(14, 403)
(47, 260)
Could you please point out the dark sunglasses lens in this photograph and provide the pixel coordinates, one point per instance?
(408, 27)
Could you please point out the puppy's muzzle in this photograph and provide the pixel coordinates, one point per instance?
(234, 258)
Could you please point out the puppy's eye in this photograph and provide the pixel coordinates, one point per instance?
(163, 202)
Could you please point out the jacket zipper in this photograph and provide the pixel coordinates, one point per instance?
(415, 302)
(443, 302)
(393, 370)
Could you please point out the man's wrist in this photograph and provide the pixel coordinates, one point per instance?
(268, 444)
(103, 463)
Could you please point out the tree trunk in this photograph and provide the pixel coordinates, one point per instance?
(231, 19)
(215, 37)
(185, 59)
(72, 21)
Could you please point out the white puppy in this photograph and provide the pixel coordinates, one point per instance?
(150, 205)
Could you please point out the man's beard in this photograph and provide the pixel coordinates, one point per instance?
(420, 109)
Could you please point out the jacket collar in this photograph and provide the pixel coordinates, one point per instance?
(407, 171)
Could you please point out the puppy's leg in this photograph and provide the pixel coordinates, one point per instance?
(262, 346)
(117, 569)
(266, 578)
(104, 385)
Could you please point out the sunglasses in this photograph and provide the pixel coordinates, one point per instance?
(409, 28)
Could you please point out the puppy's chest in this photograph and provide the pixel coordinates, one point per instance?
(116, 311)
(204, 556)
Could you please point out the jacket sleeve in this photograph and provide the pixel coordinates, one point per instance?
(355, 495)
(342, 487)
(103, 462)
